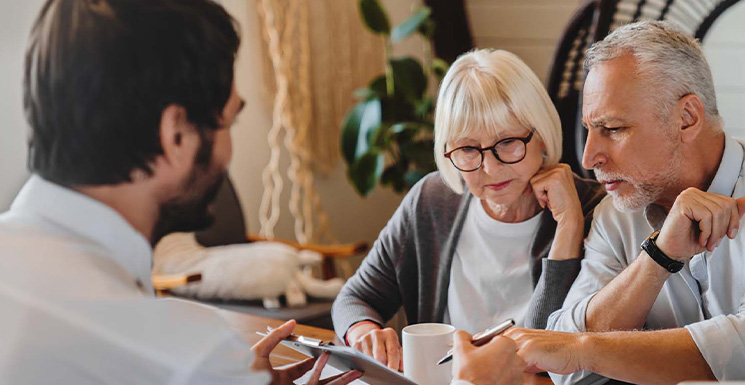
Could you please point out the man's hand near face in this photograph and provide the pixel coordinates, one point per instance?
(697, 221)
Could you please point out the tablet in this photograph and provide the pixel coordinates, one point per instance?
(345, 358)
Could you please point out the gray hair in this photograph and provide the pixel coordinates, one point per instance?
(672, 62)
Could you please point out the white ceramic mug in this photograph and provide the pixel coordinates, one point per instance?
(424, 345)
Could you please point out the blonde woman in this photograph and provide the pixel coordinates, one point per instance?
(500, 220)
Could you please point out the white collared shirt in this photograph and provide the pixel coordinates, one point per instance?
(707, 297)
(78, 306)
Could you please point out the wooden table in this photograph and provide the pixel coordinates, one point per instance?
(247, 326)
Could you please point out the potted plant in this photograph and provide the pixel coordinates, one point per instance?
(387, 137)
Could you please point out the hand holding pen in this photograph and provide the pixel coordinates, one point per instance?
(496, 362)
(484, 338)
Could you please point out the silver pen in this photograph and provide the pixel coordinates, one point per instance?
(484, 338)
(301, 339)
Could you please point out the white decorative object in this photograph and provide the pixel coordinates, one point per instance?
(259, 270)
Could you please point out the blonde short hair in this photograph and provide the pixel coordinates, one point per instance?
(489, 89)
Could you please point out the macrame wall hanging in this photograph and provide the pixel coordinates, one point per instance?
(319, 53)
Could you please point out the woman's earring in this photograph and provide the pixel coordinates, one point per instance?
(544, 154)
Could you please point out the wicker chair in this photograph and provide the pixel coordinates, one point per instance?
(593, 20)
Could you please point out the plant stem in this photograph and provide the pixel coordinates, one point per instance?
(388, 67)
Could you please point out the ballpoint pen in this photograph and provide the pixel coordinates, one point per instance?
(300, 339)
(484, 338)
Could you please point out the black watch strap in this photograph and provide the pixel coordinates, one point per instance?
(650, 247)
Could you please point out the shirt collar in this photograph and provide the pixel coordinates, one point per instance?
(723, 183)
(729, 169)
(88, 218)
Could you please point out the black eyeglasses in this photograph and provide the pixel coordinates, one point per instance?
(507, 150)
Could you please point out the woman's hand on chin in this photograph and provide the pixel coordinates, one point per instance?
(554, 189)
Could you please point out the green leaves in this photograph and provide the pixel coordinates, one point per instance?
(439, 67)
(364, 119)
(366, 171)
(374, 17)
(410, 26)
(408, 78)
(387, 138)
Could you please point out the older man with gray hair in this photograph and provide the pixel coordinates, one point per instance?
(663, 255)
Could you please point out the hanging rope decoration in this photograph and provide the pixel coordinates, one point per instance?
(314, 70)
(286, 31)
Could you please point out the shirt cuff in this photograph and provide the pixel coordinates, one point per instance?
(720, 342)
(571, 318)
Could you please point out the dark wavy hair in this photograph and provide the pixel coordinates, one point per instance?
(98, 75)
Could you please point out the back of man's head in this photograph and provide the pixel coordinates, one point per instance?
(99, 73)
(671, 63)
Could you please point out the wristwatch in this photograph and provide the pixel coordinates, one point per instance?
(650, 246)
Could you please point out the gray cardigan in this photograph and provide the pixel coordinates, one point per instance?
(409, 263)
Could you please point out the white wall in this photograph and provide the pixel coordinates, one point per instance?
(724, 47)
(16, 18)
(531, 28)
(527, 28)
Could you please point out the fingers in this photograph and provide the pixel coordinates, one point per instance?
(383, 345)
(516, 335)
(393, 350)
(697, 212)
(364, 345)
(265, 346)
(541, 194)
(729, 218)
(519, 366)
(554, 188)
(734, 220)
(316, 376)
(461, 340)
(379, 350)
(331, 378)
(717, 216)
(740, 205)
(343, 378)
(502, 344)
(297, 370)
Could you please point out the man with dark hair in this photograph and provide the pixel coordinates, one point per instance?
(130, 104)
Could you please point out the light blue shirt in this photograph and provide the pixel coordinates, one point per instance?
(707, 297)
(78, 306)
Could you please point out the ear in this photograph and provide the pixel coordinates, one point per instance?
(691, 113)
(178, 138)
